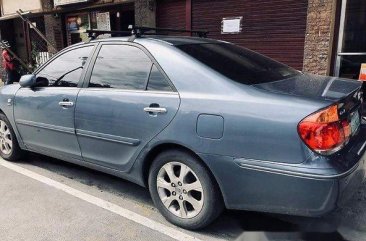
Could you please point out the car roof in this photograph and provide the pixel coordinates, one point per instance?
(170, 40)
(181, 40)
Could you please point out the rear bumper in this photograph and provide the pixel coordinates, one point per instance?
(349, 184)
(275, 190)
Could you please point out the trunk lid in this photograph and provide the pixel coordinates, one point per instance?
(314, 87)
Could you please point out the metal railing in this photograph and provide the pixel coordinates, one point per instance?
(41, 58)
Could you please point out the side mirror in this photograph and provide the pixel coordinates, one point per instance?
(31, 81)
(28, 80)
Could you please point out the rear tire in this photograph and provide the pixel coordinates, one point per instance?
(183, 190)
(9, 147)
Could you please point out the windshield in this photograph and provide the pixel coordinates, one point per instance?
(239, 64)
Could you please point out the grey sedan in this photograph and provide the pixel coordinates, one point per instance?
(204, 124)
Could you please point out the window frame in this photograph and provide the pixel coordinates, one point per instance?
(93, 60)
(59, 54)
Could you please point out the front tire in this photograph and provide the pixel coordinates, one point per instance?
(9, 147)
(183, 190)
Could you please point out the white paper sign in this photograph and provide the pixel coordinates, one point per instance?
(231, 25)
(104, 23)
(65, 2)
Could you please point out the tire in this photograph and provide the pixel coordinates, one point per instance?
(202, 204)
(9, 147)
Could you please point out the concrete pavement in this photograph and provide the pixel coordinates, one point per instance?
(32, 210)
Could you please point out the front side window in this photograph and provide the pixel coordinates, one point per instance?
(121, 67)
(66, 70)
(239, 64)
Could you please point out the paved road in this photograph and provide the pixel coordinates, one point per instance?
(46, 199)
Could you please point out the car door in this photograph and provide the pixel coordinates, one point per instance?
(119, 113)
(45, 115)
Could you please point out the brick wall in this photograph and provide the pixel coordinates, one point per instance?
(53, 26)
(319, 36)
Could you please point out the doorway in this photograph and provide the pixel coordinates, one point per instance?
(117, 18)
(352, 39)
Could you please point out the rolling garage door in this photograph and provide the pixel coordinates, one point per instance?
(171, 14)
(275, 28)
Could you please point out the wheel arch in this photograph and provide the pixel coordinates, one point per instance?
(10, 116)
(160, 148)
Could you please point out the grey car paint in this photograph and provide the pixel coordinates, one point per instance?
(43, 123)
(251, 147)
(101, 138)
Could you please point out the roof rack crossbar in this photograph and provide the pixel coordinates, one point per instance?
(136, 32)
(143, 30)
(93, 33)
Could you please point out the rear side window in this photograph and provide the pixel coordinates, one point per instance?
(157, 81)
(121, 67)
(239, 64)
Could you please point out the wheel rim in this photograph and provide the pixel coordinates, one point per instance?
(6, 143)
(180, 190)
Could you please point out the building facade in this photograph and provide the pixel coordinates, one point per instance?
(318, 36)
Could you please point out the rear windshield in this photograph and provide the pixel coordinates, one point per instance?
(239, 64)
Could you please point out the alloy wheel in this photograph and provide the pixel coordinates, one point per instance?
(180, 190)
(6, 143)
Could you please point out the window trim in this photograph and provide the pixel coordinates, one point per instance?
(96, 89)
(148, 77)
(93, 59)
(86, 66)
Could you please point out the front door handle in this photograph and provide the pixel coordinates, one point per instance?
(155, 110)
(66, 104)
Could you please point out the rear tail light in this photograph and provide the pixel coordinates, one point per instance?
(323, 131)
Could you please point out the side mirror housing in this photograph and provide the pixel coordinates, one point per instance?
(28, 80)
(31, 81)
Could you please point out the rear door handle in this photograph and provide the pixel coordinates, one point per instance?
(155, 110)
(66, 104)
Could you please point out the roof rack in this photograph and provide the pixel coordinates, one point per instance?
(93, 33)
(137, 32)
